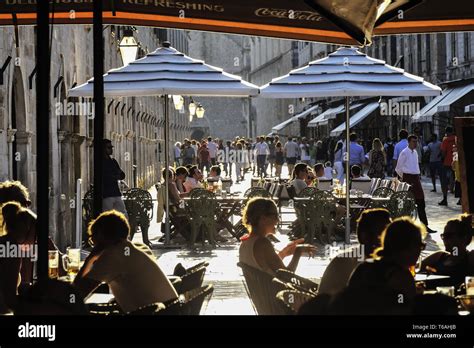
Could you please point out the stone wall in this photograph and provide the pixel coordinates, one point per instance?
(135, 125)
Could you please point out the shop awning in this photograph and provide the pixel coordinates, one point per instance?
(299, 116)
(455, 95)
(330, 114)
(356, 118)
(441, 103)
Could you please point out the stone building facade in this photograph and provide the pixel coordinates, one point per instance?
(135, 125)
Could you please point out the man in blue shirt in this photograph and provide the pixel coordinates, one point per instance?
(400, 146)
(356, 151)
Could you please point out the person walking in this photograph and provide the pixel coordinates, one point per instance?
(112, 173)
(409, 171)
(356, 151)
(338, 162)
(377, 160)
(389, 148)
(271, 157)
(212, 147)
(261, 151)
(291, 153)
(279, 159)
(436, 165)
(447, 171)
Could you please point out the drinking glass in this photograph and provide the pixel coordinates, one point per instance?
(470, 286)
(53, 264)
(72, 262)
(445, 290)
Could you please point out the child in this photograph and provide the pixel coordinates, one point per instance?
(328, 170)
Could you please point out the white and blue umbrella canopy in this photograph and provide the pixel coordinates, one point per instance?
(168, 71)
(347, 73)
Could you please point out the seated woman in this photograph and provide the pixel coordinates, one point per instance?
(456, 262)
(132, 274)
(370, 225)
(181, 175)
(300, 173)
(385, 285)
(260, 216)
(20, 226)
(15, 191)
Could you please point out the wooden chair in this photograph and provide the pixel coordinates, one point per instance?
(298, 282)
(261, 290)
(189, 302)
(151, 309)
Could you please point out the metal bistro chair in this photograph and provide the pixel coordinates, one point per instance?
(202, 209)
(402, 204)
(139, 204)
(324, 215)
(383, 192)
(292, 300)
(261, 290)
(303, 226)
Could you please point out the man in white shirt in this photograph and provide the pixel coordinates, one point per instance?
(409, 171)
(261, 151)
(212, 148)
(193, 180)
(291, 153)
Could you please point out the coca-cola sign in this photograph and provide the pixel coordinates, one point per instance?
(288, 14)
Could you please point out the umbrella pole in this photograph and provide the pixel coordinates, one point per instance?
(167, 165)
(347, 155)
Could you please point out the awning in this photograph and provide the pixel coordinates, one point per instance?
(441, 103)
(356, 118)
(297, 19)
(295, 118)
(330, 114)
(455, 95)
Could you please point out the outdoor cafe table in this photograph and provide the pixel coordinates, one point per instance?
(360, 202)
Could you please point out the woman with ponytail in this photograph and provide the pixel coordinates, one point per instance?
(456, 261)
(20, 226)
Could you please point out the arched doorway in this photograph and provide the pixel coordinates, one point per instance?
(19, 158)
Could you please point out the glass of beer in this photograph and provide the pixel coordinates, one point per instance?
(72, 262)
(53, 264)
(470, 286)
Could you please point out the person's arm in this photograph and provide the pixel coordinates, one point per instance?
(429, 263)
(362, 155)
(84, 284)
(400, 164)
(120, 175)
(9, 281)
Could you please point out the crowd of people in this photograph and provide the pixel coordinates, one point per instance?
(391, 249)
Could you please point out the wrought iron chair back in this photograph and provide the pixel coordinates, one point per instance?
(383, 192)
(292, 300)
(202, 209)
(402, 204)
